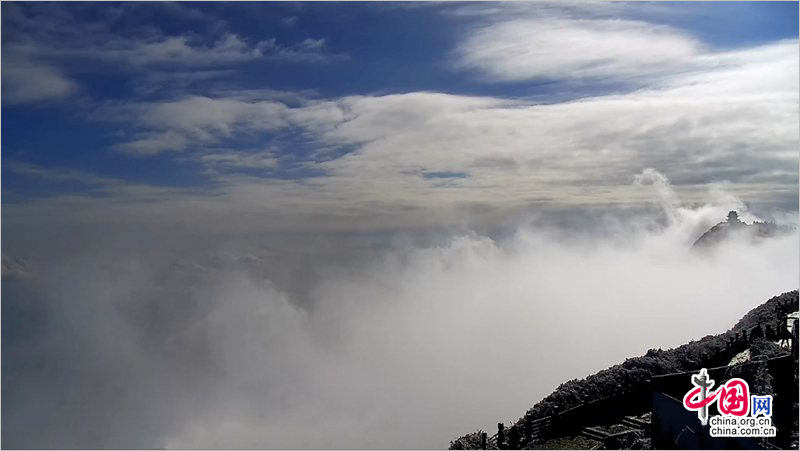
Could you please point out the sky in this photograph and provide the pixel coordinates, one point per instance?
(357, 111)
(260, 225)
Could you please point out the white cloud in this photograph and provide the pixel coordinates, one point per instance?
(229, 49)
(555, 48)
(212, 115)
(60, 174)
(15, 268)
(414, 342)
(193, 120)
(153, 143)
(27, 82)
(240, 160)
(178, 50)
(66, 40)
(213, 353)
(306, 51)
(717, 123)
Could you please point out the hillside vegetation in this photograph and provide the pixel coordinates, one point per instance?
(635, 373)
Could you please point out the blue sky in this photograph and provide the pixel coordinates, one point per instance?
(358, 101)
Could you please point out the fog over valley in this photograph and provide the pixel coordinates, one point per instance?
(378, 342)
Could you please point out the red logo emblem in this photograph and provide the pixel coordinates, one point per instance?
(732, 398)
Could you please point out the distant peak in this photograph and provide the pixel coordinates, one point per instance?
(733, 218)
(757, 230)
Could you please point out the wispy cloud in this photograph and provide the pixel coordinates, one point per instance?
(221, 160)
(70, 43)
(182, 50)
(306, 51)
(30, 81)
(193, 120)
(60, 174)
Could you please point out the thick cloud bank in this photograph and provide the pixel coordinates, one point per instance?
(118, 345)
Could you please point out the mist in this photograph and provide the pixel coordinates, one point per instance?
(134, 339)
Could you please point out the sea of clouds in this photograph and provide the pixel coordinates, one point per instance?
(114, 341)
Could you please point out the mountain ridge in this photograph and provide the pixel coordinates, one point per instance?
(635, 373)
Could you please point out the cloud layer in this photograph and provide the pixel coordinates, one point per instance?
(648, 95)
(406, 346)
(730, 122)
